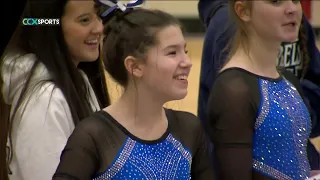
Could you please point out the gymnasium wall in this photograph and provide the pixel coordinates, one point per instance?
(187, 12)
(315, 13)
(181, 9)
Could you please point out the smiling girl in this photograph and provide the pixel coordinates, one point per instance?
(50, 80)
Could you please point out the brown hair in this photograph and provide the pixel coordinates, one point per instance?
(4, 113)
(303, 49)
(131, 33)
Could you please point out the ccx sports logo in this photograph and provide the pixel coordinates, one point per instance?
(40, 22)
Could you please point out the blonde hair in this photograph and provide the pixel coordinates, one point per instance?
(241, 36)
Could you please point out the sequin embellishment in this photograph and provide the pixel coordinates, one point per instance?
(281, 132)
(164, 160)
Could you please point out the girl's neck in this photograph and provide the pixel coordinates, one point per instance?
(142, 115)
(139, 107)
(260, 57)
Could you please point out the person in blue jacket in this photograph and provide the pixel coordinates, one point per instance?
(301, 57)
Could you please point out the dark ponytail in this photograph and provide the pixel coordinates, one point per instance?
(303, 49)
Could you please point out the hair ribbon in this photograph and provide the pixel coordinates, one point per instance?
(118, 5)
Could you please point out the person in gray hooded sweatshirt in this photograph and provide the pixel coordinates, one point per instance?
(51, 78)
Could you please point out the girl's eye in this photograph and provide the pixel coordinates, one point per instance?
(172, 53)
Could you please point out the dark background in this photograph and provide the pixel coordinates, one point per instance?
(10, 15)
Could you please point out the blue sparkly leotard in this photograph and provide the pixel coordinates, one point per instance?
(265, 129)
(281, 132)
(100, 148)
(167, 159)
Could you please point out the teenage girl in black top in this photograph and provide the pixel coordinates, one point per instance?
(135, 137)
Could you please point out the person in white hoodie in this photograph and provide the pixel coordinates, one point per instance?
(51, 78)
